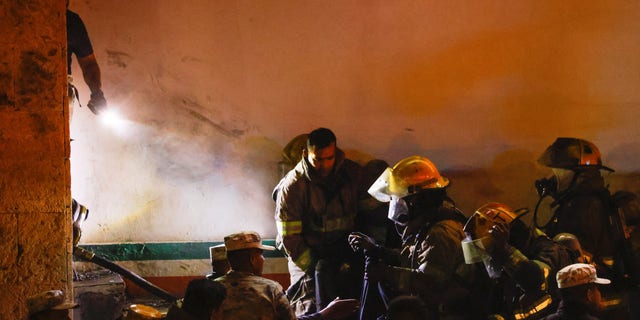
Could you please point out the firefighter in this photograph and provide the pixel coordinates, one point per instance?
(316, 209)
(521, 260)
(430, 264)
(582, 205)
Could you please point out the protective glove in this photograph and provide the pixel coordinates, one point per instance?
(500, 234)
(360, 241)
(97, 103)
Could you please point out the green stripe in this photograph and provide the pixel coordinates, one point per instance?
(162, 251)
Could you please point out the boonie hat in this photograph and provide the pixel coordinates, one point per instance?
(218, 253)
(245, 240)
(48, 300)
(577, 274)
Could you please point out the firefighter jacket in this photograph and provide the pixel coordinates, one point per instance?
(431, 265)
(549, 257)
(585, 210)
(588, 211)
(314, 215)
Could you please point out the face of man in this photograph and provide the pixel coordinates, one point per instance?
(323, 159)
(257, 261)
(595, 298)
(478, 226)
(563, 178)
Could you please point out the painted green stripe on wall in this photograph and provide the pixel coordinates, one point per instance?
(162, 250)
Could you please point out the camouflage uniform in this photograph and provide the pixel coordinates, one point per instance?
(253, 297)
(314, 216)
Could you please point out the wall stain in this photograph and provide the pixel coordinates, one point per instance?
(233, 133)
(6, 88)
(41, 124)
(33, 74)
(118, 58)
(5, 100)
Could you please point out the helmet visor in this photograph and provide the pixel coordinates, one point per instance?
(473, 250)
(380, 189)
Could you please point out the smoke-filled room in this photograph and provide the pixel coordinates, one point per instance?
(319, 160)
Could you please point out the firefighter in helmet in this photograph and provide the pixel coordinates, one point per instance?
(430, 263)
(522, 261)
(582, 205)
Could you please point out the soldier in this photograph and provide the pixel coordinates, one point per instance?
(202, 301)
(578, 284)
(430, 264)
(316, 209)
(219, 263)
(250, 296)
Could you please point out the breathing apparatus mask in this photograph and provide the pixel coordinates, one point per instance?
(546, 186)
(398, 211)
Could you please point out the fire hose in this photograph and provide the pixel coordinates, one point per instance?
(89, 256)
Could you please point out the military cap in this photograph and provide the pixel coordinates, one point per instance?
(218, 253)
(245, 240)
(577, 274)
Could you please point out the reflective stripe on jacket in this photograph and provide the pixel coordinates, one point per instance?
(314, 213)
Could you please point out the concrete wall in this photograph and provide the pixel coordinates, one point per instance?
(212, 90)
(35, 230)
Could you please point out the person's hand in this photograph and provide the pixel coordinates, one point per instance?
(360, 241)
(500, 234)
(339, 309)
(97, 103)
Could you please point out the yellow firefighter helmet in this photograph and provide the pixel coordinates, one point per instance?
(409, 176)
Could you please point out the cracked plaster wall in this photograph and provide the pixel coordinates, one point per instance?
(212, 90)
